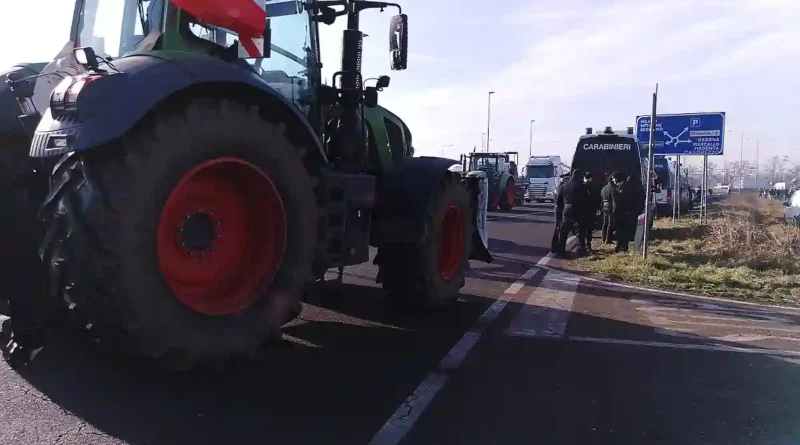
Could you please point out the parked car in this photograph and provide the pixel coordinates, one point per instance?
(792, 210)
(723, 189)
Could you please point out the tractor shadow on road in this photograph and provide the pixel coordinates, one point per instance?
(347, 376)
(511, 261)
(343, 368)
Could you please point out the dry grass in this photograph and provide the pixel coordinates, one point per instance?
(745, 252)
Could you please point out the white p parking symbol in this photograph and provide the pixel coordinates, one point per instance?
(695, 122)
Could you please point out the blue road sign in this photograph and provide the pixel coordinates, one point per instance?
(684, 134)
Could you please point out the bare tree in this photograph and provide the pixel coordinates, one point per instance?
(693, 173)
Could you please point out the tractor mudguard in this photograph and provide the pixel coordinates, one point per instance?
(111, 105)
(403, 194)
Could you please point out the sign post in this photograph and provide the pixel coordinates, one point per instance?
(704, 196)
(689, 134)
(649, 191)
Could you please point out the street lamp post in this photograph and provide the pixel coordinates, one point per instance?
(446, 146)
(741, 165)
(530, 144)
(755, 181)
(489, 121)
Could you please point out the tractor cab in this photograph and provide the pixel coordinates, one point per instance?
(278, 42)
(501, 172)
(493, 164)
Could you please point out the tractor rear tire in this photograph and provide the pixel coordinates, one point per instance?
(507, 197)
(148, 238)
(431, 271)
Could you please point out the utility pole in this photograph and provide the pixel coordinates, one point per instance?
(489, 122)
(649, 190)
(530, 144)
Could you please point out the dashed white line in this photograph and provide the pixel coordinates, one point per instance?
(547, 311)
(514, 288)
(407, 414)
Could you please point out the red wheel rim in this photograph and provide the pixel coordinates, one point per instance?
(221, 236)
(512, 193)
(452, 243)
(495, 200)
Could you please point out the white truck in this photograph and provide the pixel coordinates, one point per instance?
(542, 174)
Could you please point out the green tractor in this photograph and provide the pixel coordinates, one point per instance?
(206, 176)
(501, 173)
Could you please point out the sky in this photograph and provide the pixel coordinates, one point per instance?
(567, 64)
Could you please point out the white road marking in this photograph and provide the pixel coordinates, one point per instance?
(547, 311)
(407, 414)
(514, 288)
(710, 311)
(692, 296)
(711, 347)
(702, 319)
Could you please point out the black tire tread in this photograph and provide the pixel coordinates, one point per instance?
(409, 272)
(83, 246)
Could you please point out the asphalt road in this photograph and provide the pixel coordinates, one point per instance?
(529, 354)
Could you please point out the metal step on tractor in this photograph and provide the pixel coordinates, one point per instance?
(204, 177)
(502, 172)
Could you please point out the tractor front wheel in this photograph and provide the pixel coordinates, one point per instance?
(190, 240)
(430, 271)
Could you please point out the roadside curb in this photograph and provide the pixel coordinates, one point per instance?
(678, 294)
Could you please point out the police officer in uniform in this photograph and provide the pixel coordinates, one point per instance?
(621, 204)
(628, 203)
(586, 225)
(606, 195)
(558, 211)
(572, 202)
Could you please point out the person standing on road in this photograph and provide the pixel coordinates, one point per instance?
(621, 204)
(558, 211)
(628, 204)
(606, 195)
(586, 224)
(572, 200)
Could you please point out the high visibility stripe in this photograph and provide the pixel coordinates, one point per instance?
(248, 18)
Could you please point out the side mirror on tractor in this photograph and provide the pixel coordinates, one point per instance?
(371, 97)
(383, 82)
(398, 42)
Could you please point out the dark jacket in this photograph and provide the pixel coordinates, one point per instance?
(573, 199)
(595, 201)
(628, 199)
(606, 195)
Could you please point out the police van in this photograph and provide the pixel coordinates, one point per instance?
(604, 152)
(607, 151)
(664, 193)
(662, 190)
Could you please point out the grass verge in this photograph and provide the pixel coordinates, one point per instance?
(745, 252)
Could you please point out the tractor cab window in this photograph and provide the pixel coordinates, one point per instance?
(501, 164)
(484, 163)
(114, 27)
(292, 58)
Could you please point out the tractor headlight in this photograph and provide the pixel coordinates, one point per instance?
(60, 92)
